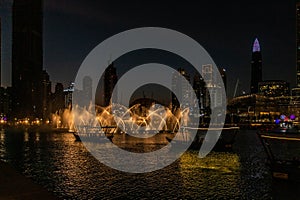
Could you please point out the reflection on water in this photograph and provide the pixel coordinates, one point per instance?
(216, 175)
(66, 168)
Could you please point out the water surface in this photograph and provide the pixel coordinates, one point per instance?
(63, 166)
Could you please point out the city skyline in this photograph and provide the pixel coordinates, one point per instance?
(197, 100)
(276, 31)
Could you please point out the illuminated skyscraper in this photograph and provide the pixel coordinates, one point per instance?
(181, 88)
(213, 98)
(256, 67)
(27, 57)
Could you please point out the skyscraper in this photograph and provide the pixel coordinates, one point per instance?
(296, 90)
(46, 94)
(181, 88)
(27, 57)
(0, 51)
(110, 80)
(87, 85)
(256, 67)
(58, 98)
(298, 42)
(224, 77)
(213, 96)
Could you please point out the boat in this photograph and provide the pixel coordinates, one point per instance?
(282, 146)
(92, 134)
(77, 137)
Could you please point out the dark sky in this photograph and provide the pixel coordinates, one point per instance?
(226, 29)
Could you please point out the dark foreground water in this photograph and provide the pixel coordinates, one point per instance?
(67, 169)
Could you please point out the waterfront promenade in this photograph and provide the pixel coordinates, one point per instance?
(13, 185)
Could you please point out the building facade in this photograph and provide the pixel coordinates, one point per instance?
(110, 81)
(298, 42)
(180, 87)
(46, 95)
(27, 58)
(274, 88)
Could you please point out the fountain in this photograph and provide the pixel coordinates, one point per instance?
(137, 123)
(62, 120)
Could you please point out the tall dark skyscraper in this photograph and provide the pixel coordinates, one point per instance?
(87, 85)
(46, 94)
(224, 77)
(256, 67)
(27, 57)
(0, 51)
(298, 42)
(110, 80)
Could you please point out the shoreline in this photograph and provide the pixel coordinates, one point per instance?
(14, 185)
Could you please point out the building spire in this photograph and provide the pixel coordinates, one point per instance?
(256, 46)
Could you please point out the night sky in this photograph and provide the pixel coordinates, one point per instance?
(226, 29)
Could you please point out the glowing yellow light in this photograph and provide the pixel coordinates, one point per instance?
(280, 138)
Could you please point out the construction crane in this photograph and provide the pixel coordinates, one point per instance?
(236, 86)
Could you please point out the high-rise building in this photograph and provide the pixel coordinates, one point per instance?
(110, 81)
(213, 96)
(68, 93)
(5, 102)
(0, 51)
(181, 88)
(27, 57)
(46, 95)
(58, 98)
(199, 89)
(87, 84)
(256, 67)
(296, 90)
(224, 77)
(298, 42)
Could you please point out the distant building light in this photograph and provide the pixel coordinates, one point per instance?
(69, 90)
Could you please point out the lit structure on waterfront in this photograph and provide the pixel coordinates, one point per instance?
(259, 108)
(274, 88)
(256, 67)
